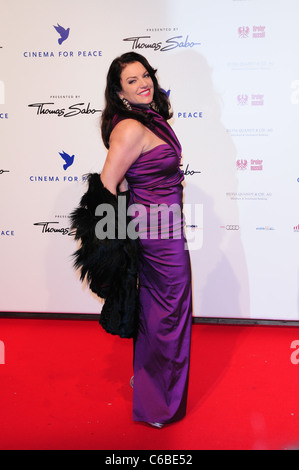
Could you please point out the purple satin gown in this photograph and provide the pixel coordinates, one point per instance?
(162, 346)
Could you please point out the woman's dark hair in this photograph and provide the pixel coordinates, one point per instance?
(114, 104)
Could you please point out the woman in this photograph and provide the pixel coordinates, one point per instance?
(143, 156)
(143, 149)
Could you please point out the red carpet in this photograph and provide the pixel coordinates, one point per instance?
(65, 385)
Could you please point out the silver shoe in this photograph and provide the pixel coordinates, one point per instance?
(157, 425)
(132, 381)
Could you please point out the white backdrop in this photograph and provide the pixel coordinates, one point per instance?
(231, 68)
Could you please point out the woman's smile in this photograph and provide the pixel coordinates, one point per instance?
(145, 92)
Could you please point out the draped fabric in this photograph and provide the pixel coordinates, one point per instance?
(162, 344)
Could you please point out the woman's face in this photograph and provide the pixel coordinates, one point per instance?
(137, 85)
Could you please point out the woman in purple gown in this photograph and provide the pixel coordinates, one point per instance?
(144, 157)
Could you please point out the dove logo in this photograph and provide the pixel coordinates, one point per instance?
(64, 33)
(166, 92)
(69, 160)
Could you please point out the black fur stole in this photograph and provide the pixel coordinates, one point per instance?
(109, 265)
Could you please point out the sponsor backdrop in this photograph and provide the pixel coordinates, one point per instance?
(231, 69)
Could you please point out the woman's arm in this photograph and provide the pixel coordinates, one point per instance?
(126, 144)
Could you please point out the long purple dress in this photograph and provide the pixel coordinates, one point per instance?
(162, 346)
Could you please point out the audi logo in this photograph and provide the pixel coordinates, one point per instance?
(232, 227)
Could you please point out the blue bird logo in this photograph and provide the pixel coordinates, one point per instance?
(64, 33)
(68, 160)
(166, 92)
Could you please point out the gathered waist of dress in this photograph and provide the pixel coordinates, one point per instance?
(156, 221)
(152, 194)
(155, 215)
(156, 182)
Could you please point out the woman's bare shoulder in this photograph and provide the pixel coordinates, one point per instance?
(128, 130)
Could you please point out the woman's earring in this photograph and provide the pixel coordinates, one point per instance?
(126, 104)
(153, 106)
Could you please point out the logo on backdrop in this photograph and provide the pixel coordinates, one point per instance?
(53, 227)
(63, 33)
(230, 227)
(3, 171)
(189, 114)
(142, 43)
(267, 228)
(241, 165)
(256, 32)
(7, 233)
(242, 100)
(250, 131)
(248, 196)
(166, 92)
(188, 171)
(296, 228)
(255, 165)
(253, 100)
(243, 31)
(44, 108)
(69, 160)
